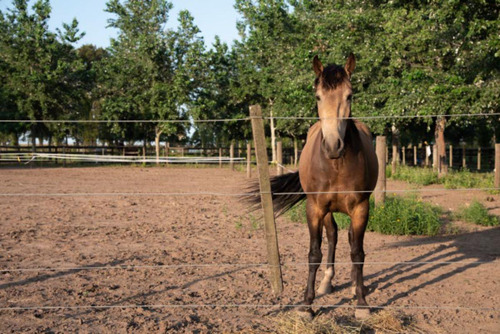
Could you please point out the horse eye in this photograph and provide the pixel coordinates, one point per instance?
(318, 98)
(349, 98)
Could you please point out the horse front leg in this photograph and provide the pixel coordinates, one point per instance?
(331, 234)
(315, 224)
(359, 220)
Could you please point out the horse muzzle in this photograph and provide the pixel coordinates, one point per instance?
(333, 150)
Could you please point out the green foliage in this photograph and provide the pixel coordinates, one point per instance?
(413, 58)
(467, 179)
(42, 71)
(148, 75)
(298, 213)
(405, 216)
(398, 216)
(415, 175)
(461, 179)
(476, 213)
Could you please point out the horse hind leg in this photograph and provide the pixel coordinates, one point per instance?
(325, 286)
(359, 219)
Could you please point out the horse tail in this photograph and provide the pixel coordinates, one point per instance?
(286, 192)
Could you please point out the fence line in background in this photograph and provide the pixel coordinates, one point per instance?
(28, 157)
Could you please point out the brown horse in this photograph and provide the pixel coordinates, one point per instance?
(337, 172)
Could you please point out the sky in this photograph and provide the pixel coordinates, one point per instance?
(213, 17)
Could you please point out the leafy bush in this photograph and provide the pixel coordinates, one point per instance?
(405, 216)
(476, 213)
(399, 216)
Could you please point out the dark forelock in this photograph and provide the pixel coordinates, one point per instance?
(332, 76)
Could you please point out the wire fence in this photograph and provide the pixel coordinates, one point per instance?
(240, 119)
(27, 158)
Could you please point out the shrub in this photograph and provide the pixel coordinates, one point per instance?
(405, 216)
(399, 216)
(476, 213)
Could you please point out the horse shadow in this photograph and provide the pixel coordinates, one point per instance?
(456, 254)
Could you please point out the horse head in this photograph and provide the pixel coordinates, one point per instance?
(333, 95)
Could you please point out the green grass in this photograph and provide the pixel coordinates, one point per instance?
(399, 216)
(476, 213)
(467, 179)
(453, 180)
(415, 175)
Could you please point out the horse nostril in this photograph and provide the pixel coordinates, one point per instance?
(340, 145)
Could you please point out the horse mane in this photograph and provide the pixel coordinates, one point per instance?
(332, 76)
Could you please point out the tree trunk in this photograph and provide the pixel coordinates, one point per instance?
(33, 143)
(158, 133)
(442, 166)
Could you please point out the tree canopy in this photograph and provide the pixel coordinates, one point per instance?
(414, 58)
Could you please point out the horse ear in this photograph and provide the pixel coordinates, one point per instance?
(317, 66)
(350, 65)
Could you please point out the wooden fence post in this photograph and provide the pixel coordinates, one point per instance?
(249, 160)
(426, 148)
(415, 161)
(279, 157)
(167, 152)
(404, 155)
(231, 155)
(451, 156)
(435, 159)
(464, 161)
(220, 157)
(381, 179)
(497, 165)
(479, 158)
(273, 255)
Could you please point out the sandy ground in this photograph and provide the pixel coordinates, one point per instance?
(153, 232)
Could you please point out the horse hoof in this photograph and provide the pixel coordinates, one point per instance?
(362, 313)
(325, 289)
(305, 315)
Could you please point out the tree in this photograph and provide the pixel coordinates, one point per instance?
(43, 71)
(148, 74)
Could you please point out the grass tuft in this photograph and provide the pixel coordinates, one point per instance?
(476, 213)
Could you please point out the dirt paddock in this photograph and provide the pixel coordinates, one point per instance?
(154, 232)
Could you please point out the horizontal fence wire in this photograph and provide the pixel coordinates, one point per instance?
(239, 119)
(240, 194)
(238, 265)
(255, 306)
